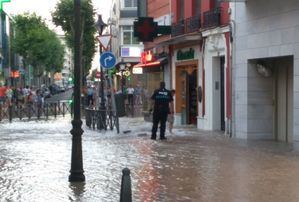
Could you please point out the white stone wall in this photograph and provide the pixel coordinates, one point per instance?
(215, 46)
(264, 28)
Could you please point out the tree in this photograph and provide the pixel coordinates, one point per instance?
(64, 16)
(39, 46)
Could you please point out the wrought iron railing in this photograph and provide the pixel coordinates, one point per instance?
(178, 28)
(192, 24)
(212, 18)
(34, 110)
(186, 26)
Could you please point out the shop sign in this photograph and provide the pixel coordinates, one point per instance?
(137, 70)
(185, 55)
(146, 57)
(15, 74)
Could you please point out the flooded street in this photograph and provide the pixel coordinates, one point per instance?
(189, 166)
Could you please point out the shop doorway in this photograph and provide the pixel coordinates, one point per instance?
(283, 99)
(186, 94)
(219, 93)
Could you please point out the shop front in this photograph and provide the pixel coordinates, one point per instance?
(186, 63)
(152, 69)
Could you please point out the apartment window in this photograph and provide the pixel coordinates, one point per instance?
(128, 35)
(196, 5)
(130, 3)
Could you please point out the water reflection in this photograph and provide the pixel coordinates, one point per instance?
(78, 189)
(189, 166)
(148, 184)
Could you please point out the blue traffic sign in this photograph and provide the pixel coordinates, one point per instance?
(107, 60)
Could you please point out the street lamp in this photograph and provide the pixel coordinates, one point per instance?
(100, 26)
(76, 159)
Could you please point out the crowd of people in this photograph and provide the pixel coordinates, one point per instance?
(133, 95)
(20, 96)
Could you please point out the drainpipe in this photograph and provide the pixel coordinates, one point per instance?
(232, 26)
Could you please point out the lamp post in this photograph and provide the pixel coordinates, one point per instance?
(76, 159)
(100, 25)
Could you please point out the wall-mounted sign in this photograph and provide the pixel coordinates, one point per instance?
(164, 20)
(146, 57)
(15, 74)
(185, 55)
(137, 70)
(131, 51)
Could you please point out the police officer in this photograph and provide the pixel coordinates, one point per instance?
(162, 101)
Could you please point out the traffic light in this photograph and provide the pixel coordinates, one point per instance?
(145, 29)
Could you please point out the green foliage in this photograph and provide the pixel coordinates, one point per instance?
(38, 45)
(64, 16)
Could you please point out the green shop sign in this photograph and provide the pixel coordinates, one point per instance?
(185, 55)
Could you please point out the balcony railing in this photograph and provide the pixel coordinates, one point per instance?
(186, 26)
(212, 18)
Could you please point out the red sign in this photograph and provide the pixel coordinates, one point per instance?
(146, 57)
(15, 74)
(98, 75)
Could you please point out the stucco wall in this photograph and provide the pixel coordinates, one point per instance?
(264, 29)
(215, 46)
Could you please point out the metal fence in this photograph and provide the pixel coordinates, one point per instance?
(34, 110)
(94, 119)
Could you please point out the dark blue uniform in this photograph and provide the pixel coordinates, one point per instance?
(162, 98)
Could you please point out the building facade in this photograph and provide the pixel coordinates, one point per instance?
(159, 67)
(266, 70)
(124, 45)
(200, 47)
(198, 54)
(215, 78)
(11, 71)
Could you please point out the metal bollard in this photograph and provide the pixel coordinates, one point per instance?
(0, 111)
(63, 109)
(46, 110)
(10, 113)
(126, 192)
(55, 109)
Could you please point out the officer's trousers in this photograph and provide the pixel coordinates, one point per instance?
(159, 117)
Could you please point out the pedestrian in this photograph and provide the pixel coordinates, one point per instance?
(162, 102)
(130, 92)
(138, 92)
(9, 94)
(90, 95)
(170, 117)
(2, 94)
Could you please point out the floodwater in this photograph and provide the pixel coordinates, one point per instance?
(189, 166)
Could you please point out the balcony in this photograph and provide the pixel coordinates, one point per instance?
(212, 18)
(186, 26)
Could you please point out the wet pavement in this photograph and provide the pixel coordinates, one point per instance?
(190, 165)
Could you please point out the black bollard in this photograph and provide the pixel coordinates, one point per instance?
(126, 192)
(63, 109)
(55, 110)
(10, 113)
(0, 111)
(47, 111)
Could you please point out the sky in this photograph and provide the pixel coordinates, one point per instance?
(45, 7)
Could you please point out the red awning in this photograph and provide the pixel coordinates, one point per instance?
(156, 63)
